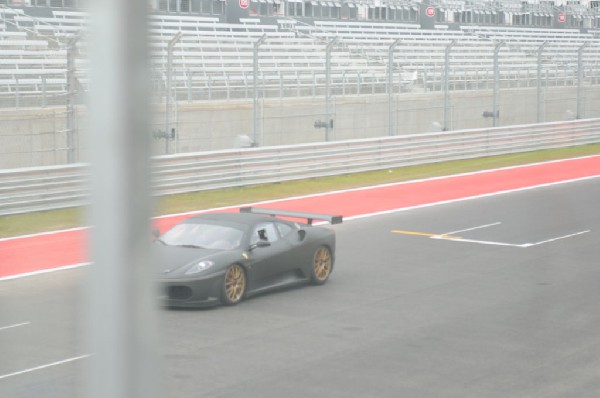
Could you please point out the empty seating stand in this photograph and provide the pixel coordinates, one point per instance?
(213, 59)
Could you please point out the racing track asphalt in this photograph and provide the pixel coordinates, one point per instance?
(492, 297)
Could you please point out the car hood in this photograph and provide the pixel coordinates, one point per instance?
(174, 261)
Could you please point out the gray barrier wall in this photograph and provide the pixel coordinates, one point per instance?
(37, 137)
(44, 188)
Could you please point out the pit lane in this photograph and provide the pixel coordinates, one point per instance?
(406, 315)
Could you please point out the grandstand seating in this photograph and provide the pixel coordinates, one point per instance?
(215, 59)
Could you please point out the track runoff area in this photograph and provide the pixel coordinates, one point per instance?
(481, 284)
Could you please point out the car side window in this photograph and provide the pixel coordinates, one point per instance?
(284, 229)
(265, 231)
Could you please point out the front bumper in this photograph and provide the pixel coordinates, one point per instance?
(200, 292)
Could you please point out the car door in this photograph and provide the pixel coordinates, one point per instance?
(266, 262)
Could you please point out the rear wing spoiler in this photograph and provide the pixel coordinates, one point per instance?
(332, 219)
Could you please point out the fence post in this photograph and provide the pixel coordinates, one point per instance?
(496, 83)
(280, 84)
(328, 120)
(539, 81)
(257, 44)
(17, 93)
(580, 79)
(390, 86)
(71, 95)
(447, 83)
(44, 92)
(168, 98)
(189, 84)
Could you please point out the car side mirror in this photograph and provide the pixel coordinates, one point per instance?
(301, 234)
(156, 233)
(260, 243)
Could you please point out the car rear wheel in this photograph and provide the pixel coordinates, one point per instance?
(322, 265)
(234, 285)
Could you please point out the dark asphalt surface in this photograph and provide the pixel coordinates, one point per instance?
(403, 315)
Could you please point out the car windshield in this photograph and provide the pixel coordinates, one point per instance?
(204, 235)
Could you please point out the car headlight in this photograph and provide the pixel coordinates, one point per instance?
(199, 267)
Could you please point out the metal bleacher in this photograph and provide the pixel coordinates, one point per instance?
(560, 49)
(214, 60)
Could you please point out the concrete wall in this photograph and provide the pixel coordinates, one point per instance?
(32, 137)
(36, 137)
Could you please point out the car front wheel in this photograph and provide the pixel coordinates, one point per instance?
(234, 285)
(322, 265)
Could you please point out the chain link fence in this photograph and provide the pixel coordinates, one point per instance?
(205, 111)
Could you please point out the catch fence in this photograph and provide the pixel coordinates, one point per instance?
(47, 188)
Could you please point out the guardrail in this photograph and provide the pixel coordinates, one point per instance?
(47, 188)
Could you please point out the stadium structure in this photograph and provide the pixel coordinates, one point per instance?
(272, 72)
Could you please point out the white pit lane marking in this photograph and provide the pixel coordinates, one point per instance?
(16, 325)
(555, 239)
(524, 245)
(43, 366)
(481, 242)
(473, 228)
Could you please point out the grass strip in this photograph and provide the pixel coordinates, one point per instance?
(30, 223)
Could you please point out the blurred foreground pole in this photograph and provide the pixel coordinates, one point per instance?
(121, 314)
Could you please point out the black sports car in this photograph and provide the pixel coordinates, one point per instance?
(224, 257)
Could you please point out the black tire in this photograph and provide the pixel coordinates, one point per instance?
(322, 265)
(234, 285)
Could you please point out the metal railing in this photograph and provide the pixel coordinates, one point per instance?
(46, 188)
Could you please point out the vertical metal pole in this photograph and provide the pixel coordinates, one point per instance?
(496, 83)
(539, 81)
(71, 50)
(447, 84)
(44, 92)
(257, 44)
(580, 79)
(17, 93)
(121, 317)
(189, 85)
(328, 88)
(390, 86)
(168, 97)
(280, 85)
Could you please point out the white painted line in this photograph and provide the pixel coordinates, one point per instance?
(480, 242)
(44, 271)
(42, 234)
(44, 366)
(472, 229)
(486, 195)
(555, 239)
(524, 246)
(15, 325)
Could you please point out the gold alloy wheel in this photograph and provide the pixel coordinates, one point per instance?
(322, 264)
(235, 284)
